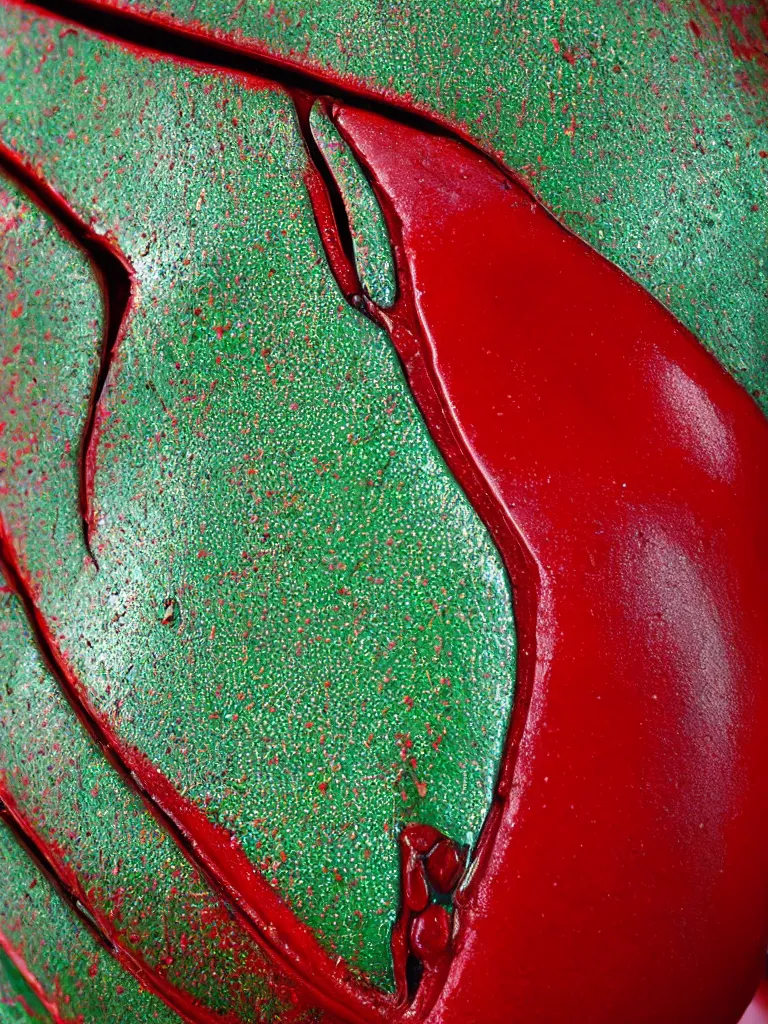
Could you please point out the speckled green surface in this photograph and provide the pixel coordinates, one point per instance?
(370, 238)
(87, 984)
(132, 870)
(296, 614)
(18, 1003)
(640, 123)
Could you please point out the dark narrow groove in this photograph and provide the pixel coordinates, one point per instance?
(200, 46)
(321, 165)
(115, 283)
(37, 854)
(401, 324)
(181, 1004)
(334, 228)
(147, 978)
(361, 1004)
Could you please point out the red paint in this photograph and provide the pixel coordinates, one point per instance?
(415, 891)
(431, 933)
(115, 279)
(325, 981)
(757, 1012)
(444, 866)
(53, 860)
(21, 966)
(419, 838)
(623, 869)
(623, 874)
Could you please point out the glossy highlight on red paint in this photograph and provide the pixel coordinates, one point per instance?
(623, 475)
(624, 869)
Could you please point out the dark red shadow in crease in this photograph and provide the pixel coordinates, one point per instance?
(114, 277)
(623, 869)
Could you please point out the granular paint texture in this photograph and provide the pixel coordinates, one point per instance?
(640, 123)
(296, 613)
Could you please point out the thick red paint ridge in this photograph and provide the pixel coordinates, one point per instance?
(623, 477)
(623, 873)
(324, 981)
(51, 859)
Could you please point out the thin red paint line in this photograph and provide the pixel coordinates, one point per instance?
(52, 863)
(116, 280)
(327, 206)
(20, 964)
(406, 333)
(212, 849)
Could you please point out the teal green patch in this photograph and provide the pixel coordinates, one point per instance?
(133, 872)
(640, 123)
(19, 1004)
(370, 238)
(75, 973)
(297, 614)
(135, 875)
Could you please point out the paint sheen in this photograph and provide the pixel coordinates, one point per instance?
(639, 123)
(339, 656)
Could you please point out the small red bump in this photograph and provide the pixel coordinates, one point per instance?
(420, 838)
(444, 866)
(416, 893)
(431, 933)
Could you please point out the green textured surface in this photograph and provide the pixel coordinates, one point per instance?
(86, 984)
(370, 238)
(133, 872)
(640, 123)
(339, 658)
(18, 1003)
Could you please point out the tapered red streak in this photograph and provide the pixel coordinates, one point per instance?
(265, 915)
(113, 274)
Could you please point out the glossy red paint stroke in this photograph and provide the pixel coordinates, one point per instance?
(51, 859)
(621, 410)
(325, 981)
(623, 874)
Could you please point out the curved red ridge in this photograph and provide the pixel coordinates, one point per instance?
(212, 849)
(266, 916)
(51, 859)
(461, 249)
(623, 872)
(115, 279)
